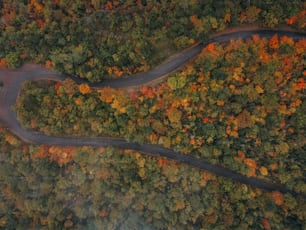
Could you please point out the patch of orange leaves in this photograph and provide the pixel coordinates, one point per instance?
(57, 87)
(212, 49)
(192, 141)
(286, 39)
(207, 176)
(291, 20)
(207, 120)
(114, 70)
(40, 22)
(196, 21)
(264, 56)
(256, 38)
(294, 19)
(220, 103)
(41, 153)
(287, 65)
(36, 6)
(154, 137)
(161, 161)
(48, 64)
(147, 91)
(263, 171)
(62, 155)
(301, 82)
(108, 5)
(252, 166)
(84, 89)
(11, 139)
(108, 94)
(296, 103)
(3, 63)
(282, 124)
(78, 101)
(273, 166)
(102, 213)
(266, 224)
(273, 42)
(300, 46)
(277, 197)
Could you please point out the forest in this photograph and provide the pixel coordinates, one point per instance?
(97, 39)
(240, 105)
(244, 98)
(51, 187)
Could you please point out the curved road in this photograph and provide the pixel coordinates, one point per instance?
(13, 79)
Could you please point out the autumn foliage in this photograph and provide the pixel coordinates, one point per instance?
(84, 89)
(137, 36)
(277, 197)
(240, 105)
(298, 19)
(219, 102)
(3, 63)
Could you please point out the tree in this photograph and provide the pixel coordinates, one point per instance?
(13, 60)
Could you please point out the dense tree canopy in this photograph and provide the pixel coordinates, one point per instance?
(50, 187)
(98, 38)
(240, 105)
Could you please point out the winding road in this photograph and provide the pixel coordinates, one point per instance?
(13, 79)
